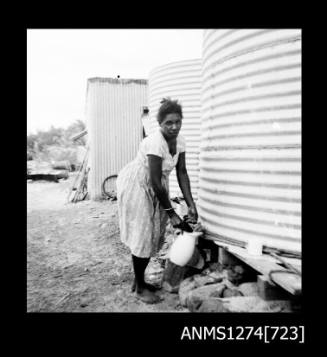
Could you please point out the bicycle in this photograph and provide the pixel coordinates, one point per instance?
(109, 187)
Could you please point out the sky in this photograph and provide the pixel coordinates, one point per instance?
(59, 62)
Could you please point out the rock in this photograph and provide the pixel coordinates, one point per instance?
(231, 292)
(213, 267)
(185, 287)
(256, 304)
(219, 292)
(229, 284)
(236, 277)
(249, 289)
(196, 281)
(196, 296)
(104, 225)
(205, 271)
(216, 294)
(218, 276)
(231, 275)
(238, 269)
(205, 280)
(210, 305)
(240, 304)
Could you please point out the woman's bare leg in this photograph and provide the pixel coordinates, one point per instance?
(142, 288)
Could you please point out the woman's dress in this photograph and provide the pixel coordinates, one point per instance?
(142, 220)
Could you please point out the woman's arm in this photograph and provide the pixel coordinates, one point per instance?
(155, 166)
(183, 179)
(184, 184)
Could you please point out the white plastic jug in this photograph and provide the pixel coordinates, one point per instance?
(182, 248)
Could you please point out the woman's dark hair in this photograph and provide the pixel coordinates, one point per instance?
(168, 106)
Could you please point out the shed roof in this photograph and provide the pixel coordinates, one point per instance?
(117, 80)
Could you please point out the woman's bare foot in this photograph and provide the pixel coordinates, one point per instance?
(150, 287)
(147, 296)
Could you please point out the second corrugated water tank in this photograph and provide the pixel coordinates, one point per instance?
(182, 81)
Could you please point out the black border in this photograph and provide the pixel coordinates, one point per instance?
(161, 328)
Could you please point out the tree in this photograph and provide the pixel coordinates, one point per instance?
(45, 141)
(31, 139)
(75, 128)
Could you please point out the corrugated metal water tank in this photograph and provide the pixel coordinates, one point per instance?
(250, 154)
(113, 112)
(181, 81)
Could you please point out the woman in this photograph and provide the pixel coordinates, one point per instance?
(144, 206)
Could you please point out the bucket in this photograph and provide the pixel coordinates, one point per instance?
(182, 248)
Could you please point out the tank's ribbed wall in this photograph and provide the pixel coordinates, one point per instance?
(182, 81)
(113, 112)
(250, 152)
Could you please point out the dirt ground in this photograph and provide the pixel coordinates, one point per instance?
(75, 260)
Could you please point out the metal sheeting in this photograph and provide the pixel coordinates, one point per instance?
(113, 111)
(181, 81)
(250, 152)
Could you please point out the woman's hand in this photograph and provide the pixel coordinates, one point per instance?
(192, 214)
(175, 219)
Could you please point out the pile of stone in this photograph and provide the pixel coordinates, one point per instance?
(206, 286)
(224, 290)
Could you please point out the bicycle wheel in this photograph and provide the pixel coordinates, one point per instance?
(109, 187)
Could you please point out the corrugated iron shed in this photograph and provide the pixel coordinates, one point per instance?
(113, 112)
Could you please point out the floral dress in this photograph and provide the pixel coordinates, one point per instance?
(142, 220)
